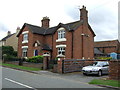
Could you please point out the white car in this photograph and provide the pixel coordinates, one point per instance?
(98, 68)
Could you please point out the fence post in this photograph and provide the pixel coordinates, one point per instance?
(62, 66)
(4, 55)
(21, 61)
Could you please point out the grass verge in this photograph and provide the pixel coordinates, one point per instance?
(20, 67)
(113, 83)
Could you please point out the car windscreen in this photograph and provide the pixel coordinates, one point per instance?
(98, 64)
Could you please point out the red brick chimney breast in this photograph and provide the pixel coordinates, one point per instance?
(45, 22)
(84, 14)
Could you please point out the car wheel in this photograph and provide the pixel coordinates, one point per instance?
(84, 74)
(99, 73)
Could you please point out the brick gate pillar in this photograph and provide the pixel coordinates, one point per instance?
(45, 63)
(60, 65)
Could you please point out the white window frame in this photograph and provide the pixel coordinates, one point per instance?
(61, 52)
(25, 38)
(61, 35)
(24, 52)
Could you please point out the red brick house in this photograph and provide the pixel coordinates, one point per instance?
(71, 40)
(108, 47)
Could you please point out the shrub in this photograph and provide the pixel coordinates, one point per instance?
(9, 51)
(10, 58)
(35, 59)
(9, 54)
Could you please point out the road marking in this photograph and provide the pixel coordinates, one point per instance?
(20, 83)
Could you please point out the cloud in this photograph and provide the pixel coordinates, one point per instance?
(102, 16)
(3, 27)
(104, 24)
(72, 11)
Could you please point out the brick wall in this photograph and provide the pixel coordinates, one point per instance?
(85, 46)
(27, 64)
(114, 69)
(65, 66)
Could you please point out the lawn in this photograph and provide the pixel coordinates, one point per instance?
(113, 83)
(20, 67)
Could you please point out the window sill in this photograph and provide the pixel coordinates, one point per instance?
(47, 55)
(25, 41)
(61, 40)
(24, 46)
(57, 46)
(60, 55)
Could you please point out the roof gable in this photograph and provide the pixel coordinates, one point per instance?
(33, 28)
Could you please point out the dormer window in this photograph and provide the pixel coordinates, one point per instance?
(61, 35)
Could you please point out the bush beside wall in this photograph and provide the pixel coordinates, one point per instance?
(35, 59)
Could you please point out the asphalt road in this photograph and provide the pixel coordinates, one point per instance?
(20, 79)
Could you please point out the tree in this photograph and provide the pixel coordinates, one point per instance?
(8, 50)
(8, 53)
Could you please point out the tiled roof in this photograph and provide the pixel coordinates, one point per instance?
(106, 43)
(46, 47)
(49, 31)
(7, 37)
(96, 51)
(35, 29)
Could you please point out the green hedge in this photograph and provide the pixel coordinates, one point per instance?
(10, 58)
(35, 59)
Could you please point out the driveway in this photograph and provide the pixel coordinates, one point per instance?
(77, 76)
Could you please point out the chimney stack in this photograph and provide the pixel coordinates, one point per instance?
(17, 30)
(45, 22)
(84, 14)
(8, 33)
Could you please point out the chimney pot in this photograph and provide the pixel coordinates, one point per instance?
(9, 33)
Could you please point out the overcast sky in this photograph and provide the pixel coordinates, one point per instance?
(102, 14)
